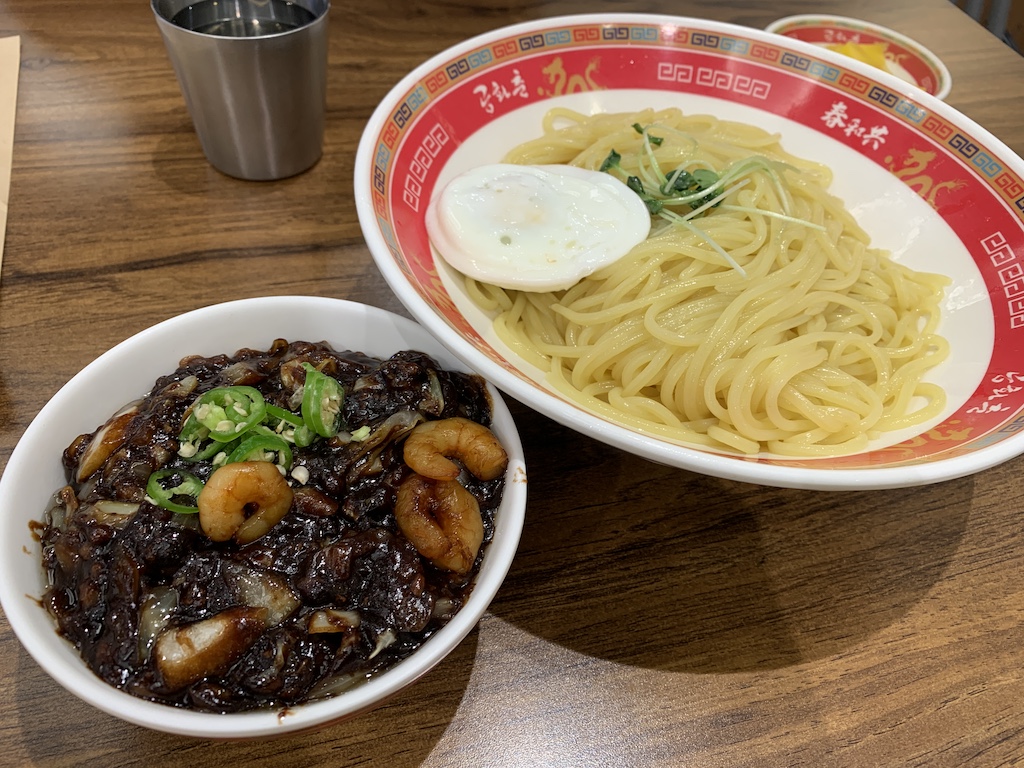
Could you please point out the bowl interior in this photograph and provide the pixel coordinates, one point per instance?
(912, 171)
(127, 371)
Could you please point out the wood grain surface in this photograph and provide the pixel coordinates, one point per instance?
(653, 617)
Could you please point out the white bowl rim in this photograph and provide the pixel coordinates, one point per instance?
(66, 667)
(684, 457)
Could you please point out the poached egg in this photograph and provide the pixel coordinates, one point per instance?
(535, 227)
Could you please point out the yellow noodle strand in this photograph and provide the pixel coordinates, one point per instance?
(813, 346)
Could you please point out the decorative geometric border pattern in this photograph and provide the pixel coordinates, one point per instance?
(1013, 426)
(1011, 275)
(670, 72)
(1004, 181)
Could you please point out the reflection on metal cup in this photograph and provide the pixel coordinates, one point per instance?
(253, 74)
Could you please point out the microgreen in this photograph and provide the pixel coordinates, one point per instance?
(655, 140)
(610, 162)
(697, 190)
(654, 205)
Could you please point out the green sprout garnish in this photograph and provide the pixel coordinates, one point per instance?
(687, 193)
(610, 162)
(655, 140)
(654, 205)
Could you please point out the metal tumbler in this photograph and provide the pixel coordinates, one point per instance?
(253, 74)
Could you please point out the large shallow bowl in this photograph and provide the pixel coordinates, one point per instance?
(928, 184)
(128, 371)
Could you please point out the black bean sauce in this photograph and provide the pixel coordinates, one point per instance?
(123, 570)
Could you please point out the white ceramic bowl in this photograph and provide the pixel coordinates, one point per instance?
(126, 372)
(928, 184)
(904, 57)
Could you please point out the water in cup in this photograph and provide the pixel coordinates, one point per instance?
(242, 18)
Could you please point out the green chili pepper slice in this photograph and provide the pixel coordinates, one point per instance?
(227, 412)
(322, 398)
(303, 436)
(211, 449)
(164, 495)
(192, 431)
(258, 445)
(282, 415)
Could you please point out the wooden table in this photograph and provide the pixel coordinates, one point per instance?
(652, 616)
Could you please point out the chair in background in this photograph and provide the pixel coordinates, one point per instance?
(994, 14)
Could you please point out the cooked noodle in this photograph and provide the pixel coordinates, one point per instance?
(810, 344)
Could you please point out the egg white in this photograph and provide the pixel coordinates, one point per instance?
(535, 227)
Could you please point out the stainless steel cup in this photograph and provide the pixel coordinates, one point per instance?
(254, 82)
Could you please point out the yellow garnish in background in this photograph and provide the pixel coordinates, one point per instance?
(869, 53)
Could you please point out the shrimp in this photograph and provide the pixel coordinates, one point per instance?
(256, 487)
(431, 446)
(442, 520)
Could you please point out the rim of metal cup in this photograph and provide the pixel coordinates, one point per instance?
(166, 10)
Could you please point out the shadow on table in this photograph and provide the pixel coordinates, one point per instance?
(52, 726)
(646, 565)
